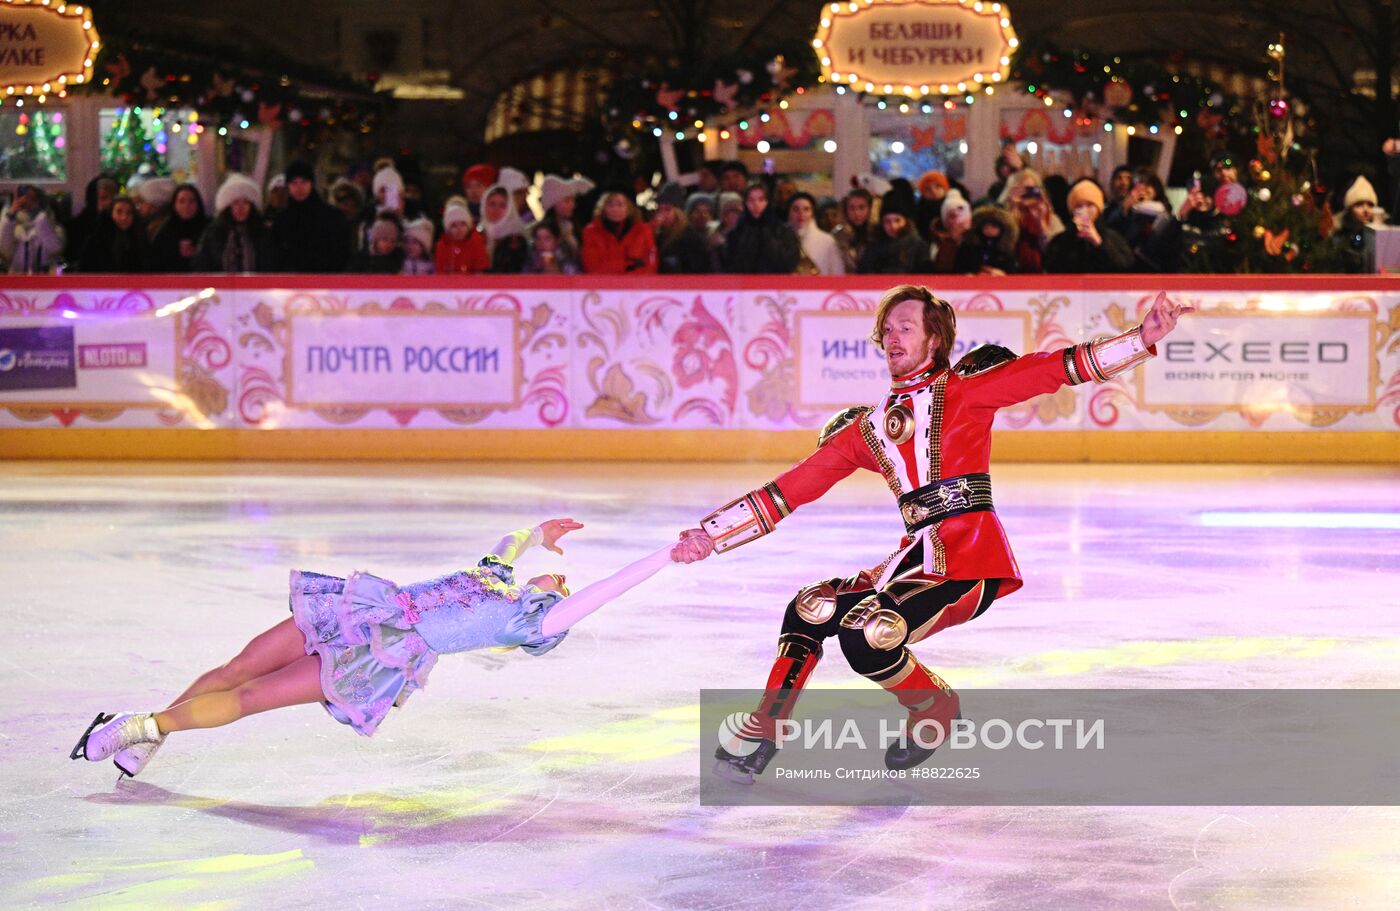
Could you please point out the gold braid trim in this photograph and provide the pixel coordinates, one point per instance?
(935, 465)
(877, 449)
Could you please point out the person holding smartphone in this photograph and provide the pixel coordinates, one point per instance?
(1086, 247)
(1025, 198)
(1148, 225)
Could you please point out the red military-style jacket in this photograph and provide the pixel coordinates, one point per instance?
(931, 438)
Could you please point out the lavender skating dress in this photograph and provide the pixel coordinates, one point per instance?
(377, 641)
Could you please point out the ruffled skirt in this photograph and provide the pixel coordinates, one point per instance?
(371, 658)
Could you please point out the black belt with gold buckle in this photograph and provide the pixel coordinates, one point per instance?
(945, 499)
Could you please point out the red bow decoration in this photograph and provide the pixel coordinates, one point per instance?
(1274, 244)
(152, 83)
(725, 92)
(923, 139)
(667, 97)
(270, 115)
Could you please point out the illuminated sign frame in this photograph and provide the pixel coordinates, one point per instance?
(63, 73)
(837, 32)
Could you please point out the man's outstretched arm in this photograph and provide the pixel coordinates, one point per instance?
(759, 511)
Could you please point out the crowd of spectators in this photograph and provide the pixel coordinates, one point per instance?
(724, 221)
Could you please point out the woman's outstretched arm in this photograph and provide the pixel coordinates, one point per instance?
(588, 599)
(547, 533)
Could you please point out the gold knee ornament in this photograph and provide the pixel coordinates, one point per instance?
(885, 630)
(817, 603)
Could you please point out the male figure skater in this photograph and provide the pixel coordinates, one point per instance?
(930, 437)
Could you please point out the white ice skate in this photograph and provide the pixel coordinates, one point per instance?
(117, 732)
(133, 759)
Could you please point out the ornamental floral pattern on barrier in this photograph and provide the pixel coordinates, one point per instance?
(672, 357)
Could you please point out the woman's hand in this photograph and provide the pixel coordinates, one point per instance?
(554, 529)
(695, 545)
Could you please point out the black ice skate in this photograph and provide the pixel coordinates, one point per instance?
(908, 753)
(742, 769)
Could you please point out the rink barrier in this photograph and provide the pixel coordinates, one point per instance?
(732, 368)
(673, 446)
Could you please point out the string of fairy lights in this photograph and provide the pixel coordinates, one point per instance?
(1092, 91)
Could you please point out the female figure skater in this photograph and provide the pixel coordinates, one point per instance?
(362, 645)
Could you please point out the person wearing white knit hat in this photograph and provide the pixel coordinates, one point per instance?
(1361, 201)
(953, 221)
(461, 250)
(152, 199)
(455, 214)
(152, 194)
(387, 187)
(1359, 212)
(238, 240)
(236, 187)
(417, 247)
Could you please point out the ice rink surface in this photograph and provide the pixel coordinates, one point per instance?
(570, 780)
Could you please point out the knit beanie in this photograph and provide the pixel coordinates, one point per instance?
(1085, 191)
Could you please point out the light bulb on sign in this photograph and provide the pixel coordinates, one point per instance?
(763, 147)
(897, 147)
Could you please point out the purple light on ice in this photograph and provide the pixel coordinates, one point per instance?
(1301, 520)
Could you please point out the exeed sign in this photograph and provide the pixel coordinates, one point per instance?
(915, 47)
(1231, 360)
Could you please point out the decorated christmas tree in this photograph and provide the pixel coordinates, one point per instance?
(128, 147)
(40, 154)
(1282, 221)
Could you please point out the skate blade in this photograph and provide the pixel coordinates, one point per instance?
(80, 750)
(729, 772)
(123, 770)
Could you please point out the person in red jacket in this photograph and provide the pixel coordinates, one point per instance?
(462, 249)
(930, 438)
(617, 241)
